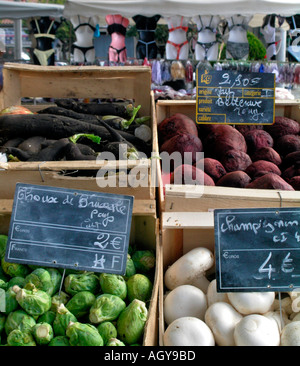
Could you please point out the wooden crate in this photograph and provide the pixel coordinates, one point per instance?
(179, 198)
(81, 82)
(145, 235)
(180, 233)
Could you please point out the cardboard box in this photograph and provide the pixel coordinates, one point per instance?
(83, 82)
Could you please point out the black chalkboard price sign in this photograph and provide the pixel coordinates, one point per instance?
(257, 249)
(67, 228)
(233, 97)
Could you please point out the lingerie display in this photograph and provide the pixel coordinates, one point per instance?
(146, 45)
(178, 45)
(44, 33)
(117, 27)
(84, 31)
(293, 48)
(237, 50)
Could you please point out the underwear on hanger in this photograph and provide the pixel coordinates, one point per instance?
(206, 46)
(43, 56)
(84, 50)
(185, 29)
(237, 50)
(84, 24)
(118, 51)
(178, 46)
(47, 35)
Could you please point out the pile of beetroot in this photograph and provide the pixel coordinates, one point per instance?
(244, 156)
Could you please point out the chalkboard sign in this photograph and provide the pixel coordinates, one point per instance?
(233, 97)
(67, 228)
(257, 249)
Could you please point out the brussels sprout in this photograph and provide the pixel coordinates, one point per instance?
(3, 241)
(56, 278)
(131, 322)
(81, 334)
(61, 341)
(35, 302)
(130, 267)
(19, 281)
(41, 280)
(19, 319)
(42, 333)
(2, 321)
(106, 307)
(144, 260)
(3, 284)
(113, 284)
(3, 275)
(59, 298)
(20, 338)
(14, 269)
(115, 342)
(11, 303)
(139, 287)
(47, 317)
(107, 330)
(81, 303)
(87, 281)
(62, 319)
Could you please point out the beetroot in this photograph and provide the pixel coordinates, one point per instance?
(189, 174)
(270, 181)
(187, 143)
(235, 160)
(287, 144)
(178, 123)
(222, 139)
(212, 167)
(283, 126)
(295, 182)
(291, 159)
(291, 172)
(256, 139)
(245, 128)
(237, 179)
(262, 167)
(267, 153)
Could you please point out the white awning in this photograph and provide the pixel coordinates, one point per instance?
(20, 10)
(188, 8)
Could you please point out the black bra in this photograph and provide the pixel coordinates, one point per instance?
(84, 24)
(116, 27)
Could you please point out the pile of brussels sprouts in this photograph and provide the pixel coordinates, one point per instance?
(82, 309)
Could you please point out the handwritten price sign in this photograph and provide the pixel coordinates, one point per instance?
(232, 97)
(68, 228)
(257, 249)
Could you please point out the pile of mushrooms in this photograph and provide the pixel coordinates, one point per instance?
(195, 314)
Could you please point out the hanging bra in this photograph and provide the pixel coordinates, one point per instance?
(185, 29)
(47, 35)
(244, 26)
(116, 28)
(84, 24)
(202, 28)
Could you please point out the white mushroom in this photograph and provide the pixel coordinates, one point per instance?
(290, 335)
(251, 302)
(188, 267)
(184, 300)
(188, 331)
(214, 296)
(256, 330)
(222, 318)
